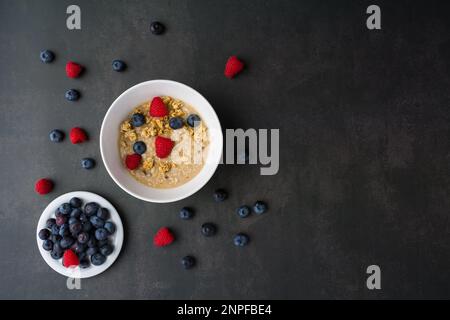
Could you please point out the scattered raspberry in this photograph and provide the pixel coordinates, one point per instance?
(43, 186)
(158, 108)
(163, 147)
(163, 237)
(73, 69)
(133, 161)
(77, 135)
(70, 259)
(233, 67)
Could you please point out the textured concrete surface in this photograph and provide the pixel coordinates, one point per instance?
(364, 124)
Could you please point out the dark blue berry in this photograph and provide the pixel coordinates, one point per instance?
(83, 237)
(76, 213)
(176, 123)
(157, 28)
(193, 120)
(84, 218)
(92, 242)
(56, 238)
(260, 207)
(98, 259)
(137, 120)
(102, 243)
(76, 228)
(188, 262)
(66, 242)
(186, 213)
(56, 135)
(47, 56)
(91, 208)
(65, 208)
(87, 163)
(76, 202)
(243, 211)
(101, 234)
(72, 95)
(220, 195)
(106, 250)
(97, 222)
(80, 247)
(209, 229)
(118, 65)
(87, 226)
(50, 222)
(64, 230)
(103, 213)
(139, 147)
(73, 220)
(47, 245)
(55, 229)
(57, 254)
(91, 251)
(84, 263)
(241, 240)
(44, 234)
(110, 227)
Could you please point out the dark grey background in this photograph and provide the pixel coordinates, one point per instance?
(364, 122)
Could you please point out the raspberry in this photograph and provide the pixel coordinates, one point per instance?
(163, 237)
(132, 161)
(73, 69)
(233, 67)
(70, 259)
(77, 135)
(158, 108)
(163, 147)
(43, 186)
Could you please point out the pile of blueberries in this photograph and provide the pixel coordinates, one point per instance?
(85, 231)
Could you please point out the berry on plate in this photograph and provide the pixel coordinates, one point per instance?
(163, 237)
(98, 259)
(137, 120)
(139, 147)
(163, 147)
(132, 161)
(233, 67)
(118, 65)
(193, 120)
(47, 56)
(91, 208)
(70, 259)
(75, 202)
(73, 69)
(176, 123)
(158, 108)
(77, 135)
(43, 186)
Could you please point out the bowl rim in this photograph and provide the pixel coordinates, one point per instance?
(192, 190)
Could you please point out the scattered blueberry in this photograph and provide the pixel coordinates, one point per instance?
(76, 228)
(176, 123)
(98, 259)
(72, 95)
(101, 234)
(118, 65)
(186, 213)
(208, 229)
(56, 254)
(157, 27)
(47, 56)
(56, 135)
(91, 208)
(44, 234)
(139, 147)
(87, 163)
(73, 220)
(84, 218)
(76, 202)
(65, 208)
(137, 119)
(193, 120)
(240, 240)
(50, 222)
(84, 263)
(260, 207)
(97, 222)
(47, 245)
(243, 211)
(110, 227)
(188, 262)
(76, 213)
(83, 237)
(106, 250)
(103, 213)
(220, 195)
(80, 247)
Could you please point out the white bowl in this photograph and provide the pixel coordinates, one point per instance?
(116, 239)
(119, 111)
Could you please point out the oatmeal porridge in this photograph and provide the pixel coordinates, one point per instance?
(163, 143)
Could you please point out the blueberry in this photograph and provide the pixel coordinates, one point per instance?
(259, 207)
(55, 229)
(118, 65)
(65, 208)
(91, 251)
(139, 147)
(47, 245)
(101, 234)
(186, 213)
(243, 211)
(50, 222)
(220, 195)
(193, 120)
(83, 237)
(103, 213)
(44, 234)
(76, 213)
(72, 95)
(61, 220)
(47, 56)
(84, 263)
(92, 243)
(188, 262)
(98, 259)
(87, 226)
(81, 255)
(106, 250)
(57, 213)
(56, 135)
(66, 242)
(97, 222)
(241, 240)
(76, 202)
(56, 238)
(208, 229)
(80, 247)
(73, 220)
(87, 163)
(176, 123)
(157, 27)
(56, 254)
(91, 208)
(76, 228)
(64, 230)
(102, 243)
(110, 227)
(137, 119)
(84, 218)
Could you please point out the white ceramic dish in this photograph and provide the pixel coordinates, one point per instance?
(119, 111)
(116, 239)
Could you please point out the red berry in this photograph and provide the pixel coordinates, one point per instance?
(73, 69)
(233, 67)
(132, 161)
(163, 147)
(163, 237)
(43, 186)
(158, 108)
(70, 259)
(77, 135)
